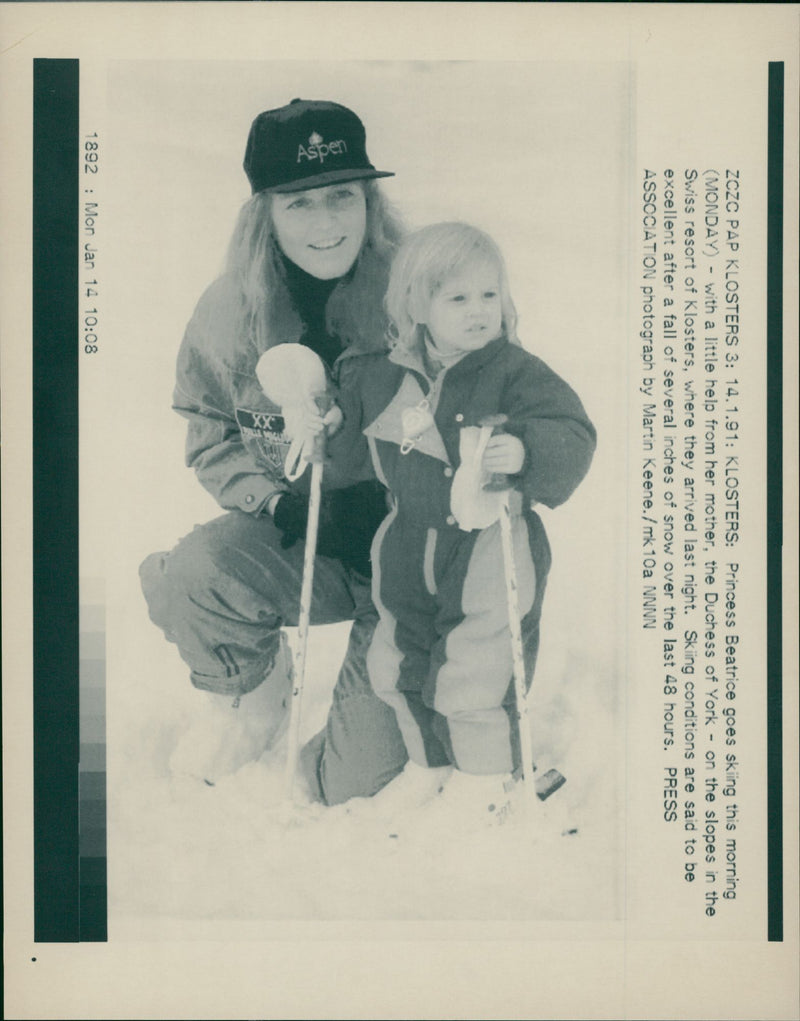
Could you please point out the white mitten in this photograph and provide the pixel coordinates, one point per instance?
(292, 376)
(473, 506)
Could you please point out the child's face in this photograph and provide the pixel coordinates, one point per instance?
(466, 313)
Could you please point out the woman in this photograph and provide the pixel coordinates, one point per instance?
(308, 264)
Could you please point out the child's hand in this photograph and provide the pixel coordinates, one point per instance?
(504, 454)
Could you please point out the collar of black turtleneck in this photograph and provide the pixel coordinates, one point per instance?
(309, 293)
(310, 297)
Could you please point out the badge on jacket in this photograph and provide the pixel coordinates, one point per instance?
(264, 432)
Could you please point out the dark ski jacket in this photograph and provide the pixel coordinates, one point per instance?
(542, 410)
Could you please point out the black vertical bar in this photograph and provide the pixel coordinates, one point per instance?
(775, 504)
(55, 500)
(94, 897)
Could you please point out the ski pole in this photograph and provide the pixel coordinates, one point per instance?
(316, 458)
(547, 784)
(517, 656)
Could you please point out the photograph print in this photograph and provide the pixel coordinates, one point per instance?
(383, 302)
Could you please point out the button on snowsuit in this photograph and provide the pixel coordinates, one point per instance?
(226, 589)
(441, 654)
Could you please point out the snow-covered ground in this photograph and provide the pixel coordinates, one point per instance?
(184, 850)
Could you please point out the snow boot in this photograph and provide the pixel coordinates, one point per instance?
(229, 731)
(476, 801)
(412, 789)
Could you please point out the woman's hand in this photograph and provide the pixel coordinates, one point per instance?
(305, 419)
(332, 421)
(313, 422)
(504, 454)
(348, 520)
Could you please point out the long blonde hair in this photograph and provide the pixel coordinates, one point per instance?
(424, 261)
(354, 311)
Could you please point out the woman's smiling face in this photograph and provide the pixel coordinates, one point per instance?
(321, 230)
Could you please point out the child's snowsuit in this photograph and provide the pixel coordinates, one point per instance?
(441, 654)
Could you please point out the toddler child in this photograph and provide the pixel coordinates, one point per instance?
(441, 653)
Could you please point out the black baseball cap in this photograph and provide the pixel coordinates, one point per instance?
(307, 144)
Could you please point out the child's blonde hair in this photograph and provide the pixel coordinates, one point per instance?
(423, 262)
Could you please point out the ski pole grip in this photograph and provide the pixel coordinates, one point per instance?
(324, 402)
(497, 481)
